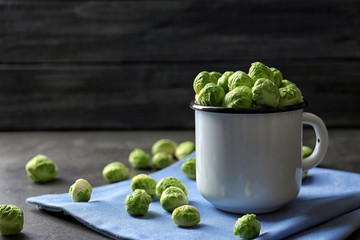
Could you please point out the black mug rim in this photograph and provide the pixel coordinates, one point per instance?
(294, 107)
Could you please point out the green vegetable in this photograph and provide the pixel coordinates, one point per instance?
(137, 203)
(145, 182)
(201, 80)
(162, 160)
(186, 216)
(265, 93)
(277, 76)
(41, 169)
(115, 172)
(288, 96)
(260, 70)
(211, 95)
(239, 78)
(169, 182)
(306, 152)
(247, 227)
(223, 80)
(239, 97)
(189, 168)
(173, 197)
(11, 220)
(80, 191)
(216, 75)
(184, 149)
(164, 145)
(139, 159)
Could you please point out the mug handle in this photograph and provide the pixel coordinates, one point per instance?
(322, 141)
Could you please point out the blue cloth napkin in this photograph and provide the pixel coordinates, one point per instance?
(327, 207)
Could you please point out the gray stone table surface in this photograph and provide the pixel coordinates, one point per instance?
(85, 153)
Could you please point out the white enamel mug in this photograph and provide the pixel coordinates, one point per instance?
(250, 160)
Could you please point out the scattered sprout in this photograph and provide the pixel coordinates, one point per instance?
(173, 197)
(41, 169)
(137, 203)
(139, 159)
(184, 149)
(265, 93)
(223, 80)
(162, 160)
(306, 152)
(186, 216)
(211, 95)
(216, 75)
(145, 182)
(260, 70)
(164, 145)
(288, 96)
(277, 76)
(239, 78)
(189, 168)
(80, 191)
(11, 220)
(169, 182)
(201, 80)
(239, 97)
(115, 172)
(247, 227)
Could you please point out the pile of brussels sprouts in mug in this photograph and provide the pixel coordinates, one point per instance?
(261, 87)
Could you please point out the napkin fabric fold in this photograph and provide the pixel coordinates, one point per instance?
(327, 207)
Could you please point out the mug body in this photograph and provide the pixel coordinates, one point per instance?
(248, 162)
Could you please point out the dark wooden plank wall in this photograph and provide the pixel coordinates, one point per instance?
(131, 64)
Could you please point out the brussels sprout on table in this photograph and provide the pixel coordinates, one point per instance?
(173, 197)
(169, 182)
(186, 216)
(162, 160)
(164, 145)
(189, 168)
(139, 159)
(223, 80)
(115, 172)
(247, 227)
(184, 149)
(202, 79)
(306, 152)
(41, 169)
(265, 93)
(145, 182)
(211, 95)
(80, 191)
(137, 203)
(239, 97)
(239, 78)
(11, 220)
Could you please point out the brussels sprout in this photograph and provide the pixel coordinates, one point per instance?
(288, 84)
(260, 70)
(202, 79)
(265, 93)
(223, 80)
(115, 172)
(164, 145)
(197, 98)
(11, 220)
(162, 160)
(239, 78)
(211, 95)
(137, 203)
(189, 168)
(145, 182)
(169, 182)
(41, 169)
(139, 159)
(288, 96)
(306, 152)
(239, 97)
(80, 191)
(216, 75)
(186, 216)
(173, 197)
(184, 149)
(277, 76)
(247, 227)
(285, 83)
